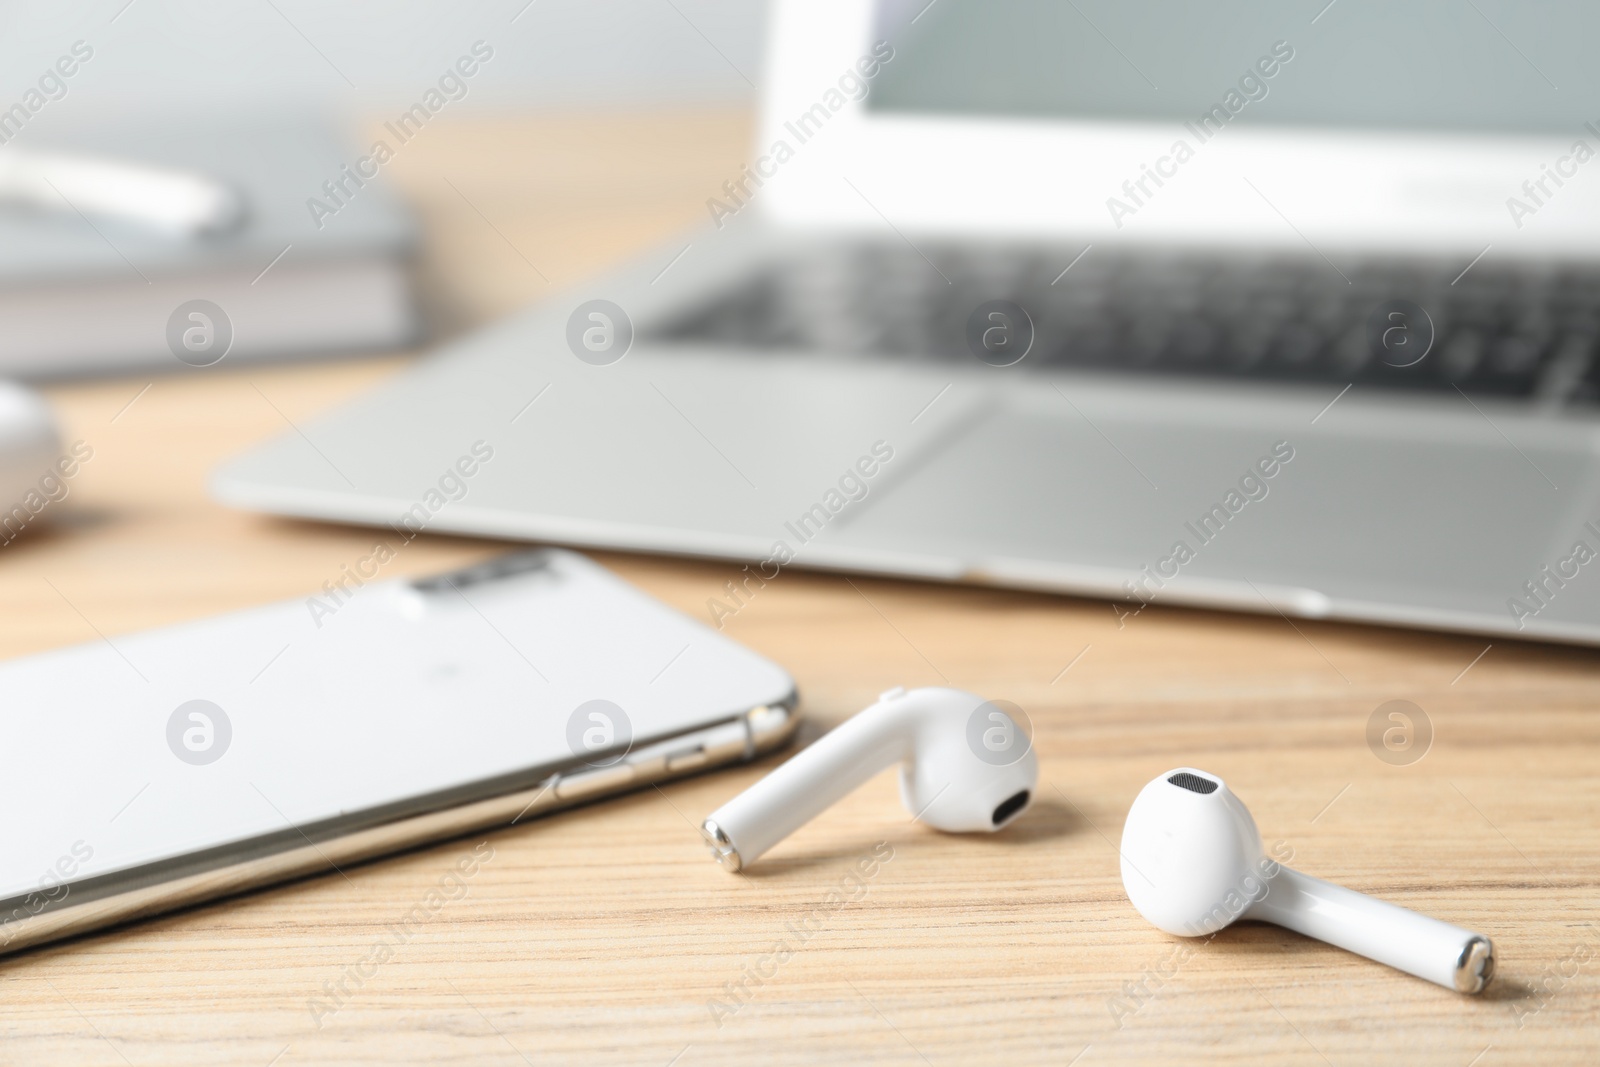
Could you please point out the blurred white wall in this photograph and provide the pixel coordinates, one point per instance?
(183, 55)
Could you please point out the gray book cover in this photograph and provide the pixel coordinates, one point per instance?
(318, 263)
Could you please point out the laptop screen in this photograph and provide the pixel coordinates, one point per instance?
(1448, 65)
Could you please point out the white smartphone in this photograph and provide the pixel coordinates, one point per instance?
(161, 769)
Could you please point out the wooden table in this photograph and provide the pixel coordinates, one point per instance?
(610, 937)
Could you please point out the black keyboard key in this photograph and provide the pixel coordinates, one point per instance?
(1351, 352)
(1568, 366)
(1460, 354)
(1516, 357)
(1297, 346)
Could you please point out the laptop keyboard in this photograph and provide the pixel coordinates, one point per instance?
(1509, 331)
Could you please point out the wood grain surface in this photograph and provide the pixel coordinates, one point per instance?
(609, 936)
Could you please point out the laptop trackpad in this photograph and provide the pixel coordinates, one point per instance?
(1378, 504)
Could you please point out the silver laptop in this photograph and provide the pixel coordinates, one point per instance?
(1249, 305)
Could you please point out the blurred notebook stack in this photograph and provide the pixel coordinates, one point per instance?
(86, 292)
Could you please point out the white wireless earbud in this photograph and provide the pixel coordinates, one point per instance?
(1192, 863)
(964, 765)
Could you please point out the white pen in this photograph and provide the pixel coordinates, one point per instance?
(178, 203)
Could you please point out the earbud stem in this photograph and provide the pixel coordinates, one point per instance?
(1447, 955)
(832, 767)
